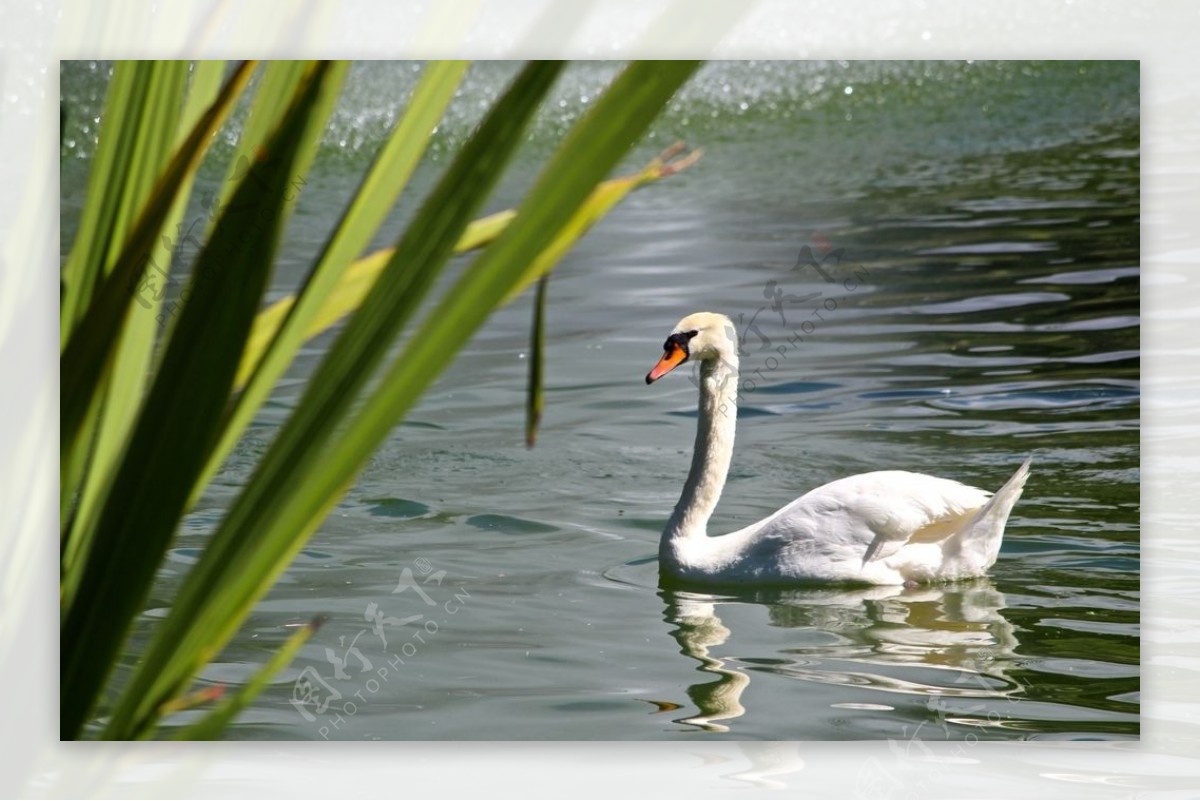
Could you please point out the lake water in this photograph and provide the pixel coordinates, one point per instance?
(980, 222)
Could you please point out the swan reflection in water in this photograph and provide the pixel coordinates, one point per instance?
(865, 637)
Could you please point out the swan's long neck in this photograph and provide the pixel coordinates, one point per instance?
(715, 428)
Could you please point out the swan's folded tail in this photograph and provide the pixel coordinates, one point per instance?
(986, 532)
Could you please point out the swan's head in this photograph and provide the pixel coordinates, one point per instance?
(699, 336)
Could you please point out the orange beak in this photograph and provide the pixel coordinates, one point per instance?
(671, 358)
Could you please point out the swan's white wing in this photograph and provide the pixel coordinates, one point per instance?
(874, 515)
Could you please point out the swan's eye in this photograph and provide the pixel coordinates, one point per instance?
(678, 341)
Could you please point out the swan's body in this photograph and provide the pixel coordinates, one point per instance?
(885, 527)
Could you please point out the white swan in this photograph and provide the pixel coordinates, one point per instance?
(886, 527)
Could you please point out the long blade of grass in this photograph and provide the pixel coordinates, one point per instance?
(88, 352)
(537, 347)
(277, 84)
(263, 529)
(360, 276)
(126, 385)
(142, 100)
(352, 287)
(181, 416)
(211, 726)
(96, 240)
(378, 193)
(599, 203)
(590, 151)
(116, 191)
